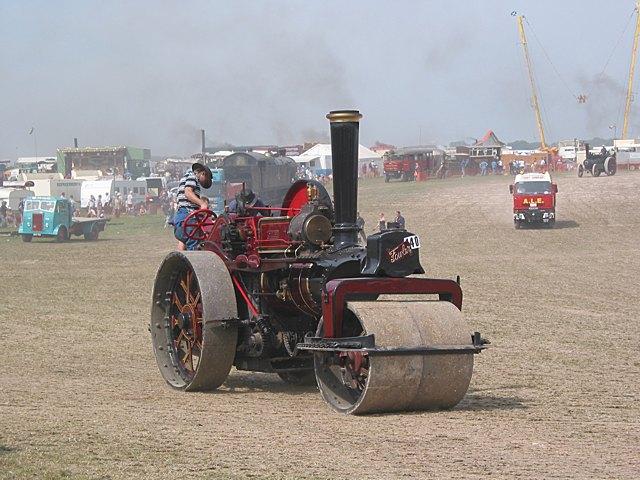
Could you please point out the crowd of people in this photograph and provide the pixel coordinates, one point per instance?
(11, 217)
(497, 168)
(120, 204)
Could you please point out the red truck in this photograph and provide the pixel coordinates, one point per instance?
(534, 199)
(408, 163)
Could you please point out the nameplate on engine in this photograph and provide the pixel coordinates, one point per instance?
(392, 253)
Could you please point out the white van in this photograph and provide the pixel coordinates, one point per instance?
(54, 188)
(103, 188)
(138, 189)
(568, 153)
(13, 196)
(155, 185)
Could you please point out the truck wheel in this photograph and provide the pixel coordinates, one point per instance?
(580, 171)
(26, 237)
(386, 179)
(517, 225)
(63, 235)
(92, 236)
(595, 171)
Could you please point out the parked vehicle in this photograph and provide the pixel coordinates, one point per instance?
(53, 217)
(137, 188)
(13, 196)
(109, 188)
(270, 177)
(51, 187)
(411, 163)
(155, 185)
(534, 199)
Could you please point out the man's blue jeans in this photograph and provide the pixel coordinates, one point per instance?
(178, 221)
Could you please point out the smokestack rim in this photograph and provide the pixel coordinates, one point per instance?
(343, 116)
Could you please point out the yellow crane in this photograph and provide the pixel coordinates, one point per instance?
(632, 67)
(534, 95)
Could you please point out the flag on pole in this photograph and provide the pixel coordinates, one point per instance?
(31, 130)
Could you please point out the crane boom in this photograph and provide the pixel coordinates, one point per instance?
(632, 67)
(534, 95)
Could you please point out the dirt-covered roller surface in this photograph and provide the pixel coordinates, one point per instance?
(557, 396)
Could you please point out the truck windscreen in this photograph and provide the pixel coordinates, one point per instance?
(533, 187)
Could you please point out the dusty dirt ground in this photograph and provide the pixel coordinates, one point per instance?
(557, 396)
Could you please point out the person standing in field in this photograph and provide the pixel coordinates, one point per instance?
(189, 200)
(130, 202)
(382, 223)
(360, 225)
(3, 214)
(72, 206)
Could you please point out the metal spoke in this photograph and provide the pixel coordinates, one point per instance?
(186, 321)
(177, 302)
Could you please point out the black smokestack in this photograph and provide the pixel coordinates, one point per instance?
(202, 132)
(345, 125)
(75, 142)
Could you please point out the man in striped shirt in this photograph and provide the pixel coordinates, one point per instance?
(189, 201)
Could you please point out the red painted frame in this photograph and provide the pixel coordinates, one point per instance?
(338, 291)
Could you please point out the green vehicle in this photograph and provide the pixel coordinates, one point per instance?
(53, 217)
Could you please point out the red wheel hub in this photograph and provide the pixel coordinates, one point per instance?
(355, 369)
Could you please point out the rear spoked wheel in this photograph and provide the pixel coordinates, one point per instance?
(193, 320)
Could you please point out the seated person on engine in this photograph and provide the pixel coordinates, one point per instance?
(189, 201)
(243, 203)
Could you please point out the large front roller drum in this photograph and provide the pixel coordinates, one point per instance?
(192, 297)
(361, 383)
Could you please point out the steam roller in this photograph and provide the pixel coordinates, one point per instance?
(289, 290)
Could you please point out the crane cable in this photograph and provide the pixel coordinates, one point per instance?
(618, 42)
(581, 98)
(566, 85)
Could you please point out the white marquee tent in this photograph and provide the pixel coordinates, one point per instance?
(318, 158)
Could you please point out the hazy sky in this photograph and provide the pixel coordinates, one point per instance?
(153, 73)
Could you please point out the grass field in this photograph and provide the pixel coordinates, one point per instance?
(557, 395)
